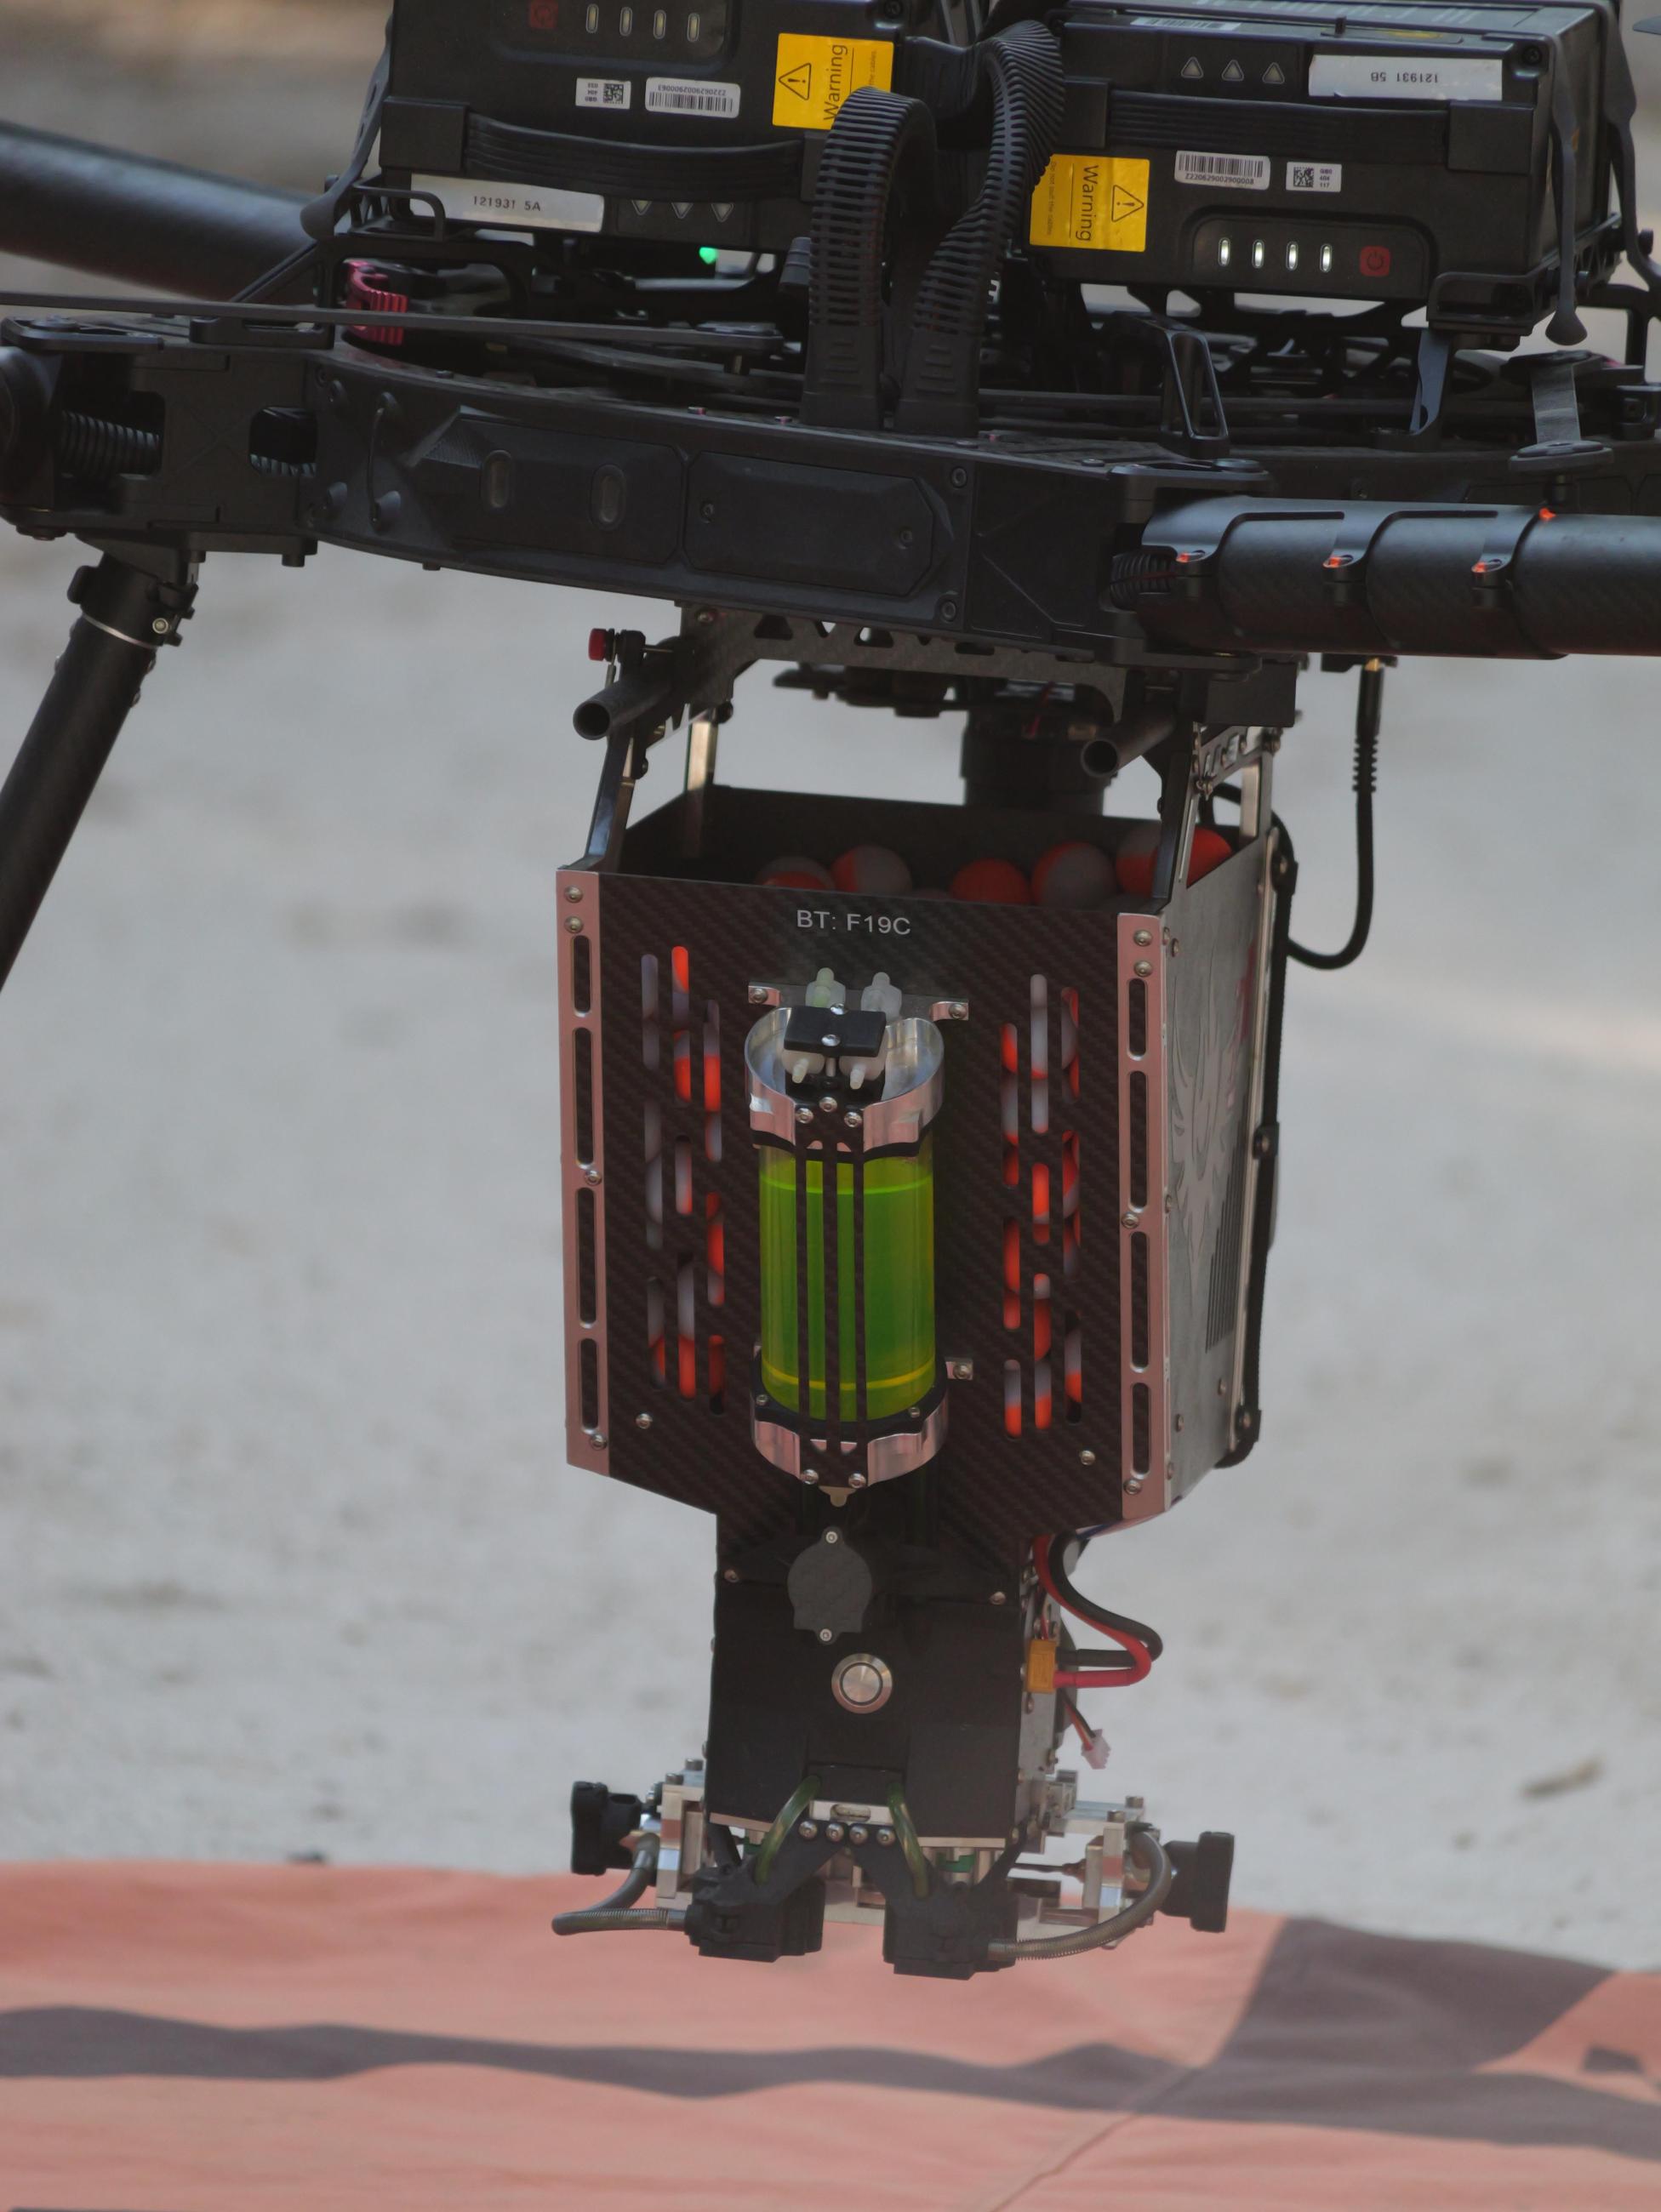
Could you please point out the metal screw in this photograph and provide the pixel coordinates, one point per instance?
(827, 1104)
(960, 478)
(997, 1597)
(729, 1574)
(852, 1120)
(761, 1397)
(960, 1371)
(1144, 937)
(856, 1480)
(574, 892)
(758, 994)
(705, 615)
(642, 1420)
(574, 924)
(885, 1836)
(1133, 1483)
(807, 1830)
(811, 1479)
(161, 626)
(833, 1535)
(1130, 1216)
(1222, 1386)
(1144, 967)
(834, 1832)
(948, 610)
(804, 1113)
(913, 1413)
(1175, 947)
(958, 1011)
(830, 1042)
(601, 1438)
(827, 1635)
(859, 1835)
(1086, 1458)
(591, 1174)
(1178, 1423)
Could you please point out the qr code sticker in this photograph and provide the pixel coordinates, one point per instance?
(1314, 176)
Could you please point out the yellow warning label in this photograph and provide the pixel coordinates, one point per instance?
(1095, 202)
(812, 76)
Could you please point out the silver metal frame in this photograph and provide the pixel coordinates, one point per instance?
(579, 911)
(1143, 954)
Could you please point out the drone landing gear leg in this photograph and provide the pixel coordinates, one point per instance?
(127, 615)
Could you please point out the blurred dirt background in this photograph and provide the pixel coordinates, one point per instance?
(289, 1558)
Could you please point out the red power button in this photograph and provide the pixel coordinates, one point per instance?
(1375, 261)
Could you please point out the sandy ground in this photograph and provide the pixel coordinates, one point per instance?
(289, 1560)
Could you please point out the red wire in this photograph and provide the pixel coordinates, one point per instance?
(1141, 1661)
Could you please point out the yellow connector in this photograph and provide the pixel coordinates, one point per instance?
(1041, 1666)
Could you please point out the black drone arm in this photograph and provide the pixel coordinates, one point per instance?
(144, 222)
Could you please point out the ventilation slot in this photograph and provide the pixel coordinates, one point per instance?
(687, 1325)
(582, 1054)
(1073, 1367)
(715, 1252)
(651, 1032)
(711, 1083)
(684, 1176)
(654, 1136)
(1138, 1140)
(1139, 1327)
(1011, 1397)
(1044, 1400)
(582, 975)
(588, 1374)
(1141, 1428)
(1136, 1024)
(656, 1347)
(588, 1273)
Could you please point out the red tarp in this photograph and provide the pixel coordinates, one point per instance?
(204, 2039)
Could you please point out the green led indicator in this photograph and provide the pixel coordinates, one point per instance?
(710, 255)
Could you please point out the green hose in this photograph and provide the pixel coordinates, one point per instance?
(921, 1877)
(795, 1805)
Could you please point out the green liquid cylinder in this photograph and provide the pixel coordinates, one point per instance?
(899, 1283)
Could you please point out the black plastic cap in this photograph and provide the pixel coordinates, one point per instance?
(1199, 1893)
(600, 1819)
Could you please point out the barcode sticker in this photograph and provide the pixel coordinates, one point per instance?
(692, 95)
(613, 91)
(1245, 172)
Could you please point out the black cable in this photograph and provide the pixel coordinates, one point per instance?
(618, 1909)
(1086, 1608)
(1369, 709)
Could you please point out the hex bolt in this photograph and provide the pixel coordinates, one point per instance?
(885, 1836)
(642, 1420)
(807, 1830)
(574, 925)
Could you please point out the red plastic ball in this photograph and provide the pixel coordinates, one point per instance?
(995, 883)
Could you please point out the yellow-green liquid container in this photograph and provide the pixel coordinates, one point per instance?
(899, 1283)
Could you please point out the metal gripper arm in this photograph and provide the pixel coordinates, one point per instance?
(127, 615)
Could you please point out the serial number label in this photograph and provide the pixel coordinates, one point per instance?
(1423, 76)
(514, 207)
(1243, 173)
(687, 95)
(864, 924)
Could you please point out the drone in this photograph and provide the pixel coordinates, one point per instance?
(1085, 371)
